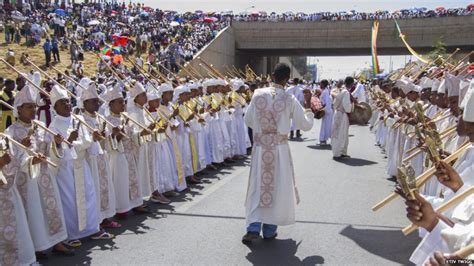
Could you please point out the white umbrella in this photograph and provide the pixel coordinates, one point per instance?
(93, 22)
(174, 24)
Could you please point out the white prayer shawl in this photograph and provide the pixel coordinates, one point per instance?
(359, 93)
(340, 127)
(271, 194)
(241, 130)
(162, 155)
(216, 138)
(145, 180)
(185, 148)
(39, 191)
(75, 181)
(224, 117)
(100, 169)
(177, 159)
(123, 168)
(16, 245)
(326, 123)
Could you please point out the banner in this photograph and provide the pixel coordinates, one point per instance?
(375, 60)
(413, 52)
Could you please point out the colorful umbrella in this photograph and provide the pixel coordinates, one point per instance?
(440, 9)
(210, 19)
(109, 49)
(60, 12)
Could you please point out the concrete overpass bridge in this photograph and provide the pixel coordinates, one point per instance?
(261, 43)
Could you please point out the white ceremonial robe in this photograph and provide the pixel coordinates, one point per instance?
(224, 117)
(326, 122)
(216, 138)
(163, 157)
(177, 158)
(241, 130)
(272, 195)
(100, 169)
(39, 191)
(16, 245)
(144, 163)
(76, 184)
(340, 127)
(123, 168)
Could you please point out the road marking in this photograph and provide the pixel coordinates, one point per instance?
(186, 206)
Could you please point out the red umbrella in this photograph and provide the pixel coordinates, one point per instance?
(254, 14)
(210, 19)
(148, 9)
(470, 7)
(440, 9)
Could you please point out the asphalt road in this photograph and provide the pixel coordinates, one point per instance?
(335, 225)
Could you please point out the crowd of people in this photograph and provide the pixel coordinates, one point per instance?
(165, 37)
(353, 15)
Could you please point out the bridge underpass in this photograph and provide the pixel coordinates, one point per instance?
(259, 44)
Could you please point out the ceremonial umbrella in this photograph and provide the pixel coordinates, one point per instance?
(210, 19)
(108, 50)
(60, 12)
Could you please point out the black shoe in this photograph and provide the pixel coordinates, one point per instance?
(345, 156)
(337, 158)
(66, 253)
(270, 237)
(393, 179)
(323, 143)
(250, 237)
(298, 134)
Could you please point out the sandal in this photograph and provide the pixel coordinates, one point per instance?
(73, 243)
(110, 224)
(102, 236)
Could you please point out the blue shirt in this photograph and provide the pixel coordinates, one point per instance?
(47, 46)
(55, 44)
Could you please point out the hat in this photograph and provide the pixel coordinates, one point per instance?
(452, 85)
(89, 93)
(209, 82)
(193, 86)
(426, 83)
(463, 88)
(112, 94)
(165, 87)
(152, 85)
(57, 93)
(181, 89)
(136, 90)
(237, 83)
(435, 85)
(442, 87)
(468, 106)
(153, 95)
(409, 87)
(26, 95)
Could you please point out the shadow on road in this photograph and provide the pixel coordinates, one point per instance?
(279, 252)
(396, 247)
(320, 147)
(356, 162)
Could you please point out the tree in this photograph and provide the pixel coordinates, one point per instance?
(439, 49)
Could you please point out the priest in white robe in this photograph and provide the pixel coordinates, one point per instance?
(76, 184)
(326, 122)
(340, 127)
(38, 189)
(272, 193)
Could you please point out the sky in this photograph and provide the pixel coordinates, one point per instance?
(328, 67)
